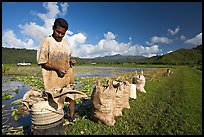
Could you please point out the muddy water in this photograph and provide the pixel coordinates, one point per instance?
(8, 120)
(105, 71)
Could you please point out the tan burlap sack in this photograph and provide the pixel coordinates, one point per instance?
(125, 87)
(119, 101)
(56, 97)
(59, 95)
(140, 83)
(103, 100)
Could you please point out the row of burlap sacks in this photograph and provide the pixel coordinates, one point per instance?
(109, 101)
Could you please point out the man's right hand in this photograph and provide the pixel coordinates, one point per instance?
(61, 72)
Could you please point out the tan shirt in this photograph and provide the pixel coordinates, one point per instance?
(56, 53)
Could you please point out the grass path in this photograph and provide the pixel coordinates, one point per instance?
(171, 106)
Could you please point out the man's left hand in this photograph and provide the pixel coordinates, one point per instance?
(72, 62)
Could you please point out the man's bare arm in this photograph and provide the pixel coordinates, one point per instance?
(60, 71)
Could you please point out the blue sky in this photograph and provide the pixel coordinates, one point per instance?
(106, 28)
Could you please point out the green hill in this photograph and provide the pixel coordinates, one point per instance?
(181, 57)
(13, 56)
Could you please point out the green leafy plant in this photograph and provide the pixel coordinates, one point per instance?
(15, 113)
(6, 96)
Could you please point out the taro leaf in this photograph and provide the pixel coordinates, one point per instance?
(7, 96)
(18, 101)
(15, 117)
(14, 113)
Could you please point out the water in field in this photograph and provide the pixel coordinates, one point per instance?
(8, 121)
(105, 71)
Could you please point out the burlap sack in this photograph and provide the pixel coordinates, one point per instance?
(125, 87)
(103, 101)
(56, 97)
(119, 101)
(139, 80)
(140, 84)
(59, 95)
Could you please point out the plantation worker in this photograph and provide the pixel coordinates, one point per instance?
(54, 55)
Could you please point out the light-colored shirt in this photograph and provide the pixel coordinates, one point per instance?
(58, 54)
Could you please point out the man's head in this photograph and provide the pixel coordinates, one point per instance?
(59, 29)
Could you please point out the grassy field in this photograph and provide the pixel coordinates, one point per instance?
(171, 106)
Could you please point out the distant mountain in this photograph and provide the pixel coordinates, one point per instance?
(179, 57)
(118, 56)
(118, 59)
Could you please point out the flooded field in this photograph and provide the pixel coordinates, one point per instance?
(15, 90)
(104, 71)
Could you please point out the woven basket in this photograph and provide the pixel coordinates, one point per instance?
(43, 113)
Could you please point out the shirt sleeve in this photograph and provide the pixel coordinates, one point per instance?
(43, 52)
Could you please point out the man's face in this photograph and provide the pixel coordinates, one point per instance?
(58, 33)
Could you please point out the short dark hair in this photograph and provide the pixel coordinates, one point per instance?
(60, 22)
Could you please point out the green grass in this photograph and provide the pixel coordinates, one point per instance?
(171, 106)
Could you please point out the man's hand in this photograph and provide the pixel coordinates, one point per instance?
(61, 72)
(72, 62)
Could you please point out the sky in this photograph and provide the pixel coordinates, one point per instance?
(98, 29)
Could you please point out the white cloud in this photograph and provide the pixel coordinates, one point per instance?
(52, 8)
(169, 51)
(148, 43)
(64, 8)
(182, 37)
(148, 51)
(9, 40)
(69, 32)
(109, 36)
(87, 51)
(33, 30)
(75, 40)
(197, 40)
(109, 46)
(150, 55)
(175, 31)
(156, 39)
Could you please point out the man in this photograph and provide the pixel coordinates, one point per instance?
(54, 56)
